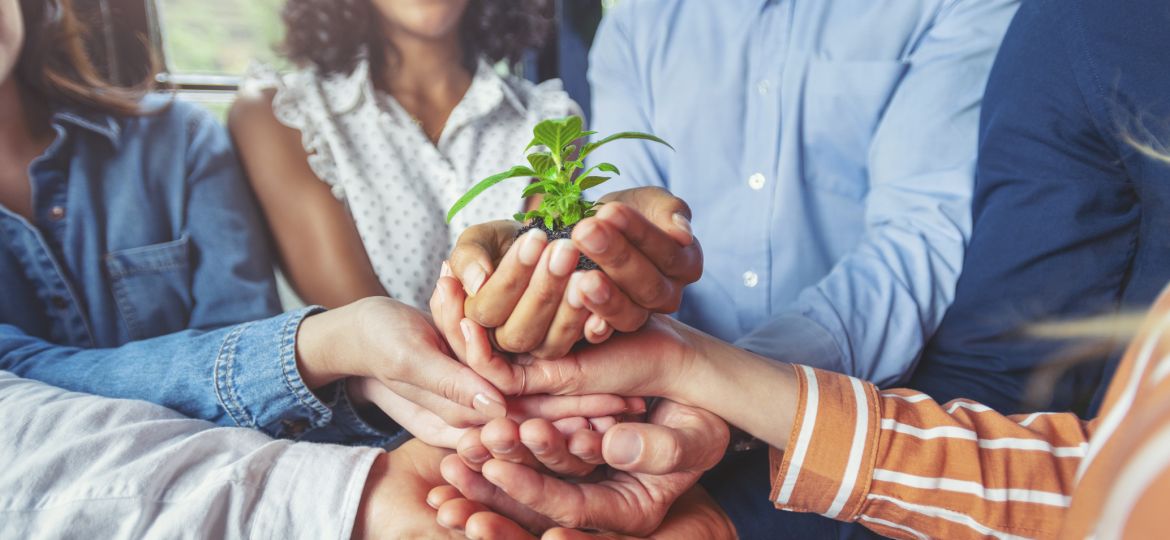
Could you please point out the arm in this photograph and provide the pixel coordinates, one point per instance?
(320, 249)
(921, 165)
(849, 452)
(120, 468)
(232, 280)
(908, 467)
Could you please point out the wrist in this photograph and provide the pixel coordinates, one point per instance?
(371, 515)
(319, 348)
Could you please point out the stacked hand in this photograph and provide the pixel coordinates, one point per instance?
(508, 475)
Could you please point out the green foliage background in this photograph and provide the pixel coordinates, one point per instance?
(219, 37)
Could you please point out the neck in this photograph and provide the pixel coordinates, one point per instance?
(424, 67)
(23, 121)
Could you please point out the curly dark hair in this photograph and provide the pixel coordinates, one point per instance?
(331, 34)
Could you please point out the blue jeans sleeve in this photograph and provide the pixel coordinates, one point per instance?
(244, 375)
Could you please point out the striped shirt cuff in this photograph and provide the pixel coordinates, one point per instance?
(832, 449)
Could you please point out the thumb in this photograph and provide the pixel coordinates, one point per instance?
(697, 444)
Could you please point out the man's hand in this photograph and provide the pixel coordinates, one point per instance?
(652, 465)
(393, 503)
(527, 291)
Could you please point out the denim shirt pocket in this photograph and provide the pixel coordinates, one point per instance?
(152, 287)
(843, 106)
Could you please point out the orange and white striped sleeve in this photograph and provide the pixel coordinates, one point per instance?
(908, 467)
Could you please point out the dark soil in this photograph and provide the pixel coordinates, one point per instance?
(583, 262)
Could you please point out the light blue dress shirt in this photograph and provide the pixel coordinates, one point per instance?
(827, 149)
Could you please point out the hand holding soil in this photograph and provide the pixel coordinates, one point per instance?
(530, 292)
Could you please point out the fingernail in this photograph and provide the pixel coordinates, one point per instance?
(613, 215)
(539, 447)
(478, 455)
(563, 259)
(445, 270)
(465, 326)
(473, 279)
(598, 327)
(593, 239)
(530, 247)
(597, 291)
(500, 448)
(624, 447)
(683, 224)
(573, 291)
(489, 406)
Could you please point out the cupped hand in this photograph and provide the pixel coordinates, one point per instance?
(393, 503)
(694, 516)
(651, 465)
(526, 290)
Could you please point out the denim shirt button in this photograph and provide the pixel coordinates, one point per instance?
(294, 428)
(57, 213)
(58, 301)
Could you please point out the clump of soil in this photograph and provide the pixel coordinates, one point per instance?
(583, 262)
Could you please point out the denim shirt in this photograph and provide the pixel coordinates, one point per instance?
(144, 255)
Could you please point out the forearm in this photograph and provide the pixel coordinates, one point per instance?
(755, 394)
(245, 375)
(119, 468)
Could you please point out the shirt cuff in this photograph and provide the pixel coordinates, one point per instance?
(831, 453)
(257, 381)
(312, 491)
(795, 339)
(348, 426)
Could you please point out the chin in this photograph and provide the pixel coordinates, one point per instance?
(427, 19)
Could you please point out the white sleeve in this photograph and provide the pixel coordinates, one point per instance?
(76, 465)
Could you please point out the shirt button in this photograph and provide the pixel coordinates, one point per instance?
(58, 302)
(763, 87)
(750, 279)
(756, 181)
(56, 213)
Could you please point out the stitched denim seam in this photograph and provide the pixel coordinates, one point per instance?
(347, 416)
(288, 360)
(226, 395)
(146, 269)
(125, 307)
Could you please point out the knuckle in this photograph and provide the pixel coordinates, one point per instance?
(515, 342)
(655, 293)
(483, 314)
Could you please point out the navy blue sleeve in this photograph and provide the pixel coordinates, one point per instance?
(1056, 218)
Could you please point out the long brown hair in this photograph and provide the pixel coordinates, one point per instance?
(54, 62)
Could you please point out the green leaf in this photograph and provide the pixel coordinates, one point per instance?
(591, 181)
(589, 148)
(533, 189)
(514, 172)
(542, 163)
(557, 132)
(525, 217)
(607, 167)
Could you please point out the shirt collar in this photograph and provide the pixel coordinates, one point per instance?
(95, 122)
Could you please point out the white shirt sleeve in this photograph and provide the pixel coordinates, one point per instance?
(76, 465)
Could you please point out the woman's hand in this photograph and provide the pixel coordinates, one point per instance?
(528, 292)
(426, 425)
(397, 346)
